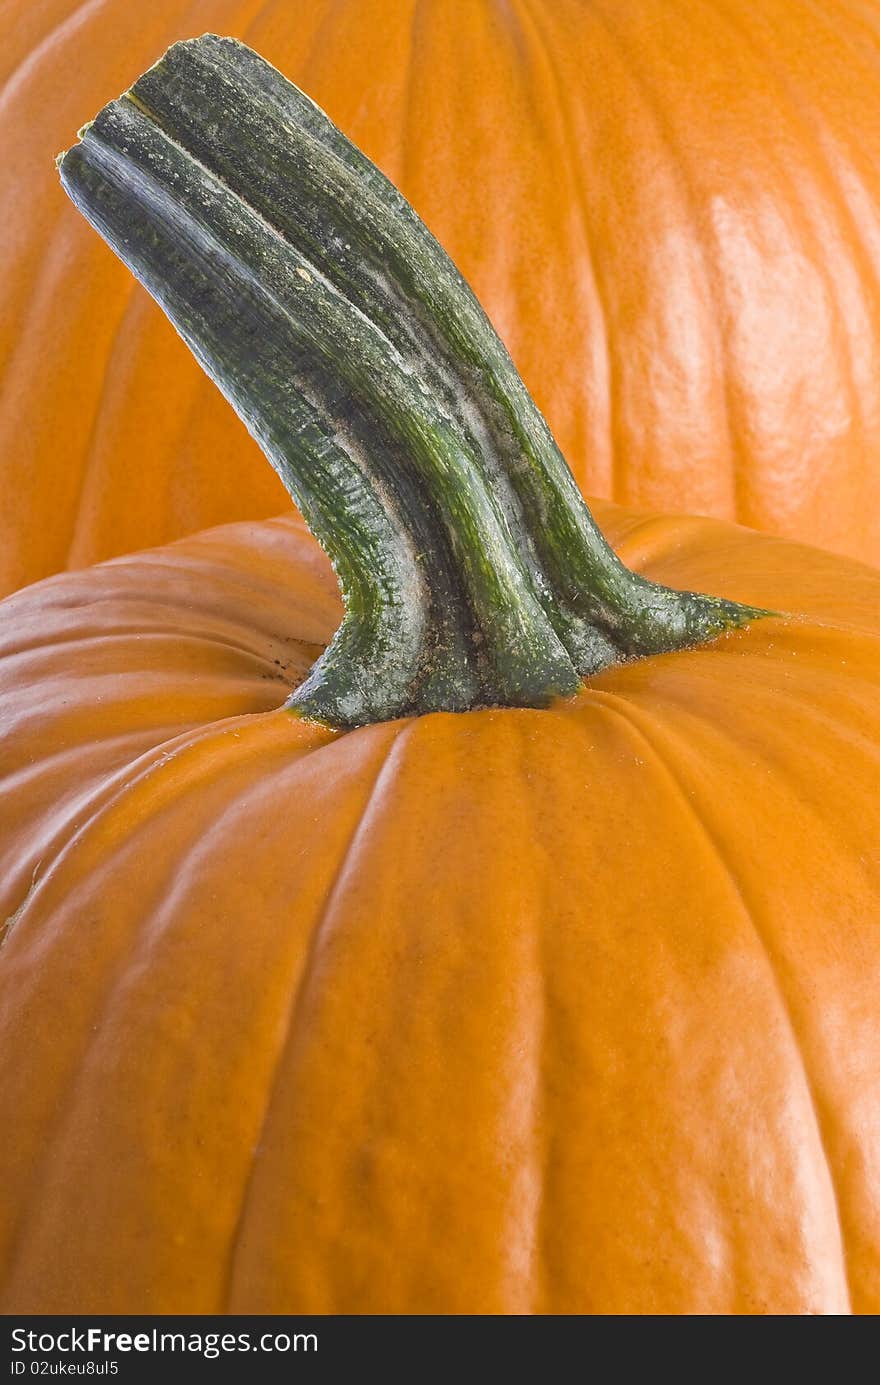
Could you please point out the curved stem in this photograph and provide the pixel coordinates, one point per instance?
(471, 569)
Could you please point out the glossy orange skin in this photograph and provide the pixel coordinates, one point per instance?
(573, 1010)
(668, 208)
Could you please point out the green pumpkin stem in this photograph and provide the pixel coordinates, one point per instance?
(471, 569)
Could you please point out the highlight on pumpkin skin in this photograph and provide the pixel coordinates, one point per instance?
(471, 569)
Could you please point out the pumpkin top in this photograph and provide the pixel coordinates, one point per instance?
(472, 571)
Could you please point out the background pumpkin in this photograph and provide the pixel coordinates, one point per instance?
(502, 1011)
(669, 210)
(569, 1010)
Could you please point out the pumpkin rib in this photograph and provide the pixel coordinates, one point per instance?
(7, 926)
(591, 421)
(198, 773)
(635, 719)
(862, 18)
(614, 701)
(48, 766)
(849, 736)
(868, 286)
(516, 1214)
(132, 776)
(30, 28)
(57, 34)
(50, 267)
(857, 18)
(258, 10)
(410, 90)
(812, 121)
(187, 557)
(115, 785)
(80, 642)
(538, 1103)
(323, 30)
(84, 479)
(830, 183)
(386, 768)
(153, 717)
(839, 737)
(780, 628)
(57, 239)
(615, 479)
(49, 763)
(680, 176)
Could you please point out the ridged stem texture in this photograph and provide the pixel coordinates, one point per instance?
(471, 569)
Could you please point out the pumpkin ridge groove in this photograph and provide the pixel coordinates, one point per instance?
(320, 41)
(299, 991)
(857, 18)
(33, 59)
(111, 776)
(409, 93)
(714, 277)
(812, 130)
(538, 1104)
(101, 638)
(127, 777)
(112, 786)
(57, 33)
(593, 261)
(815, 127)
(62, 1114)
(8, 924)
(56, 253)
(634, 719)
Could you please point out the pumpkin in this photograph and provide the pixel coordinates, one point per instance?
(668, 209)
(313, 1007)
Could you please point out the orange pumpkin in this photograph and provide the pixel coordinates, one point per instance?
(506, 1010)
(667, 208)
